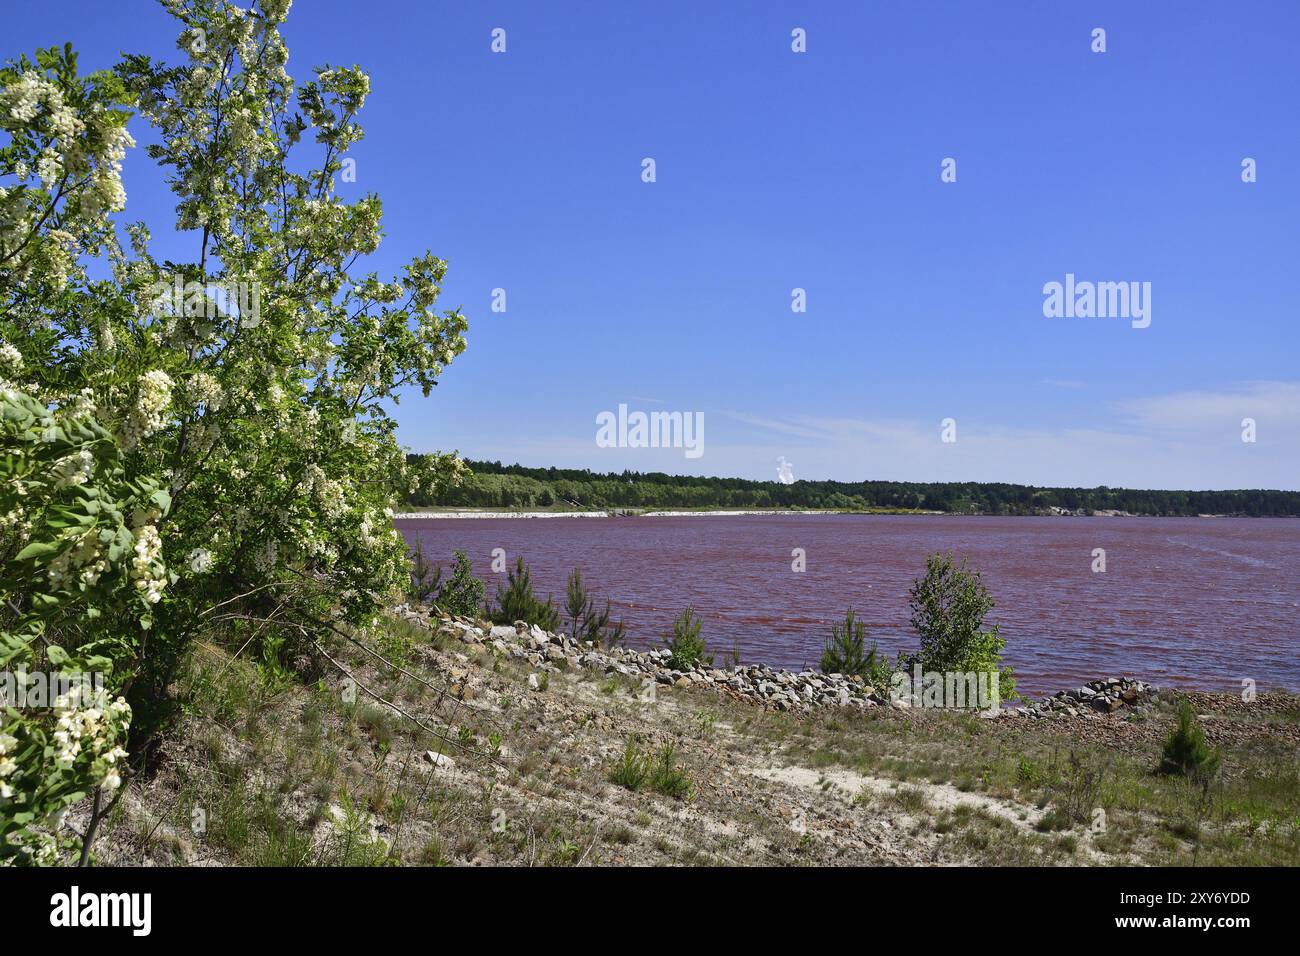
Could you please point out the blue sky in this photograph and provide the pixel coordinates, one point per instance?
(821, 170)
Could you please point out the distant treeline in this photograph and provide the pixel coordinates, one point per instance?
(494, 485)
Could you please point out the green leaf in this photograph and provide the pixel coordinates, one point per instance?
(162, 499)
(39, 549)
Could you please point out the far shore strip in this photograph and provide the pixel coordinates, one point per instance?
(592, 514)
(415, 515)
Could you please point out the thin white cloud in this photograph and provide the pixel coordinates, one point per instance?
(1185, 440)
(1277, 403)
(1063, 383)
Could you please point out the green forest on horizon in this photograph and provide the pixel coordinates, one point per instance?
(494, 485)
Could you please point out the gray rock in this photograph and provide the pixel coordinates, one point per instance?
(439, 760)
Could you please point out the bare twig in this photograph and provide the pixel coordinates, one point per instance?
(388, 703)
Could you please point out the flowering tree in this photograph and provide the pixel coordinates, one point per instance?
(188, 443)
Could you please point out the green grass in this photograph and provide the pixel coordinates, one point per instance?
(1252, 816)
(660, 772)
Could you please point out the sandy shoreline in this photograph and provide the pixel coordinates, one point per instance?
(411, 515)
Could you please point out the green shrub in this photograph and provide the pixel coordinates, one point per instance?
(661, 772)
(667, 776)
(948, 607)
(425, 576)
(1076, 788)
(82, 574)
(202, 431)
(350, 841)
(588, 623)
(846, 653)
(1187, 753)
(577, 603)
(846, 650)
(462, 593)
(516, 601)
(685, 646)
(631, 770)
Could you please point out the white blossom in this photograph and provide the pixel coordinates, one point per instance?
(146, 571)
(11, 360)
(74, 469)
(146, 417)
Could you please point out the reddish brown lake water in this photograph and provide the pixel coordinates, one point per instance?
(1196, 602)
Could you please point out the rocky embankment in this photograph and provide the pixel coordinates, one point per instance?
(514, 746)
(769, 687)
(1096, 697)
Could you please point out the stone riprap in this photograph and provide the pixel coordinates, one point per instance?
(769, 687)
